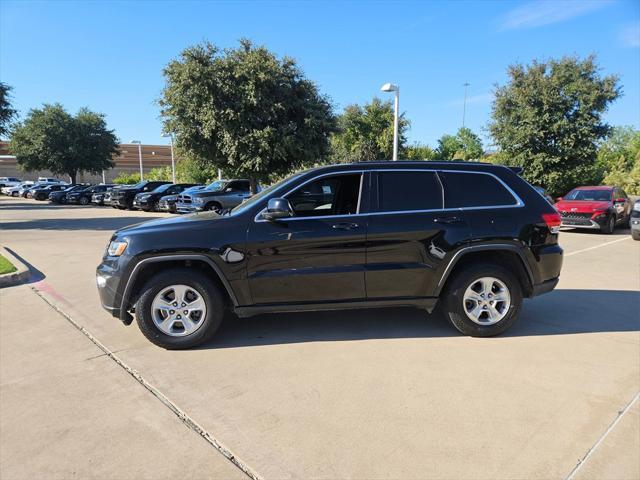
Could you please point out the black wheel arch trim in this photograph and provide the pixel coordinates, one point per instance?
(124, 305)
(479, 248)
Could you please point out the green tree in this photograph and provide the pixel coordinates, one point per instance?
(6, 111)
(418, 151)
(548, 120)
(619, 159)
(365, 132)
(245, 110)
(464, 145)
(52, 139)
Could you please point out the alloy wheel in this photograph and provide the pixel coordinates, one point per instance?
(486, 301)
(178, 310)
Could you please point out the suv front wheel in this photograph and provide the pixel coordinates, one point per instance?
(179, 308)
(483, 300)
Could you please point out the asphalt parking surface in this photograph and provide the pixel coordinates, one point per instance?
(390, 393)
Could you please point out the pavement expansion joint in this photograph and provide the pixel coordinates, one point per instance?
(184, 418)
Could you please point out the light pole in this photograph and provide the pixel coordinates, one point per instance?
(139, 156)
(173, 162)
(464, 104)
(390, 87)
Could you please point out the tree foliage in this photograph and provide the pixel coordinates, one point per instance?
(619, 159)
(7, 113)
(418, 151)
(52, 139)
(245, 110)
(464, 145)
(548, 119)
(365, 132)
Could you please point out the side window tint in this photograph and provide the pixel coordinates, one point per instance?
(337, 195)
(407, 191)
(462, 189)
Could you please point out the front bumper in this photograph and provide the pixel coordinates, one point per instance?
(181, 208)
(108, 278)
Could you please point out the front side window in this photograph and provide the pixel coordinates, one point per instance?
(409, 191)
(331, 195)
(468, 190)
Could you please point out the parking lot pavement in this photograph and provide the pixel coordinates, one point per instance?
(382, 393)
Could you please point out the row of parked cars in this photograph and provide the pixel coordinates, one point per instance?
(600, 208)
(146, 195)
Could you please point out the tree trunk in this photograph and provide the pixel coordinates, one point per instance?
(72, 177)
(253, 185)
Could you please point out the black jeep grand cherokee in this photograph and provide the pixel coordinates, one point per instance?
(474, 237)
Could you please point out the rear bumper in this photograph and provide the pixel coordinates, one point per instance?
(544, 287)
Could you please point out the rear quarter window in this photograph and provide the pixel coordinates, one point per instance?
(467, 190)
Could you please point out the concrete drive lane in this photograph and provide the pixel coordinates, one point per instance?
(383, 393)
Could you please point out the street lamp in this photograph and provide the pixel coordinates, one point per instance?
(139, 155)
(464, 105)
(173, 162)
(390, 87)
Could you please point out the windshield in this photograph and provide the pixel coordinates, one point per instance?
(216, 186)
(164, 187)
(589, 195)
(139, 184)
(262, 194)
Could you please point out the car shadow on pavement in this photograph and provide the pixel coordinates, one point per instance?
(618, 232)
(40, 206)
(562, 312)
(35, 275)
(99, 223)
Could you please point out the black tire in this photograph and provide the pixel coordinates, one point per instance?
(212, 296)
(635, 234)
(213, 207)
(63, 200)
(453, 306)
(610, 226)
(84, 201)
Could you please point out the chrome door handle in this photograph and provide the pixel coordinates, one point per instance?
(345, 226)
(447, 220)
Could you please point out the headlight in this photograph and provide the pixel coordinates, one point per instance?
(636, 206)
(198, 200)
(116, 248)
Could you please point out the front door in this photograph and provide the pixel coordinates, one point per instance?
(318, 254)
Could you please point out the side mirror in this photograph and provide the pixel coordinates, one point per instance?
(277, 208)
(559, 199)
(619, 200)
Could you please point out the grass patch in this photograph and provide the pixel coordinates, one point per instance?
(6, 266)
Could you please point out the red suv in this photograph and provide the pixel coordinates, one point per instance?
(600, 208)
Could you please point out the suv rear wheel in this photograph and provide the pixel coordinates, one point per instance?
(179, 308)
(483, 300)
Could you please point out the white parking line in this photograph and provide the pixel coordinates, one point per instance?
(596, 246)
(583, 460)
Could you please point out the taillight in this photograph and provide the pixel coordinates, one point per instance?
(553, 221)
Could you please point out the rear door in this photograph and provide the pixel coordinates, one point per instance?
(409, 234)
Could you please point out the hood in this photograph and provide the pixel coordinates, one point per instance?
(581, 206)
(169, 224)
(208, 193)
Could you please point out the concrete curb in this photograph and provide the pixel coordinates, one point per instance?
(20, 275)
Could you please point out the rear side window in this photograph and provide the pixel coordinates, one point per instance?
(409, 191)
(464, 190)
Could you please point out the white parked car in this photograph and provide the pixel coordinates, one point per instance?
(15, 191)
(9, 181)
(47, 180)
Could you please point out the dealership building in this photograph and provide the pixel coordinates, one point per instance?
(128, 161)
